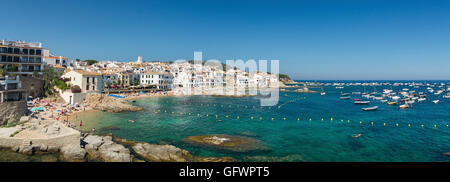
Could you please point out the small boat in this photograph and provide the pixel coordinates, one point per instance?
(344, 94)
(421, 99)
(322, 93)
(404, 106)
(435, 101)
(356, 136)
(344, 98)
(446, 96)
(362, 102)
(370, 108)
(392, 103)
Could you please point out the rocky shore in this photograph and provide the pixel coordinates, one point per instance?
(109, 104)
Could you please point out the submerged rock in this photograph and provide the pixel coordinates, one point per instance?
(214, 159)
(161, 153)
(110, 128)
(288, 158)
(227, 142)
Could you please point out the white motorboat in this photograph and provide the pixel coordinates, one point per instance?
(370, 108)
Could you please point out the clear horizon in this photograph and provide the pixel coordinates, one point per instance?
(314, 40)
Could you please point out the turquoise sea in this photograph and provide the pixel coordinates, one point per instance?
(297, 128)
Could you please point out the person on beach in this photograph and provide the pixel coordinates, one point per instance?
(93, 130)
(81, 123)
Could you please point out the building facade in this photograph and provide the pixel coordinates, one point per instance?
(21, 58)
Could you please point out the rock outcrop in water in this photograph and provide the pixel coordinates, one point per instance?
(161, 153)
(73, 153)
(288, 158)
(109, 104)
(104, 149)
(227, 142)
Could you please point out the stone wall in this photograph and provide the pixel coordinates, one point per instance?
(34, 86)
(10, 112)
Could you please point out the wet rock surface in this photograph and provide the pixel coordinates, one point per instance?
(228, 142)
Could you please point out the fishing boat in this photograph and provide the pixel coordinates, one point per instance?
(403, 106)
(421, 99)
(362, 102)
(370, 108)
(345, 98)
(392, 103)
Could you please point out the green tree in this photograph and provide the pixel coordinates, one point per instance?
(49, 76)
(2, 72)
(35, 73)
(90, 61)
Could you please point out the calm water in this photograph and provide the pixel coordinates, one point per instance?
(315, 140)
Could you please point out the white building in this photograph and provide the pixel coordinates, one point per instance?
(159, 79)
(89, 82)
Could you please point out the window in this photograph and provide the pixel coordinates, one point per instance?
(3, 50)
(9, 59)
(16, 59)
(87, 87)
(10, 50)
(87, 79)
(25, 59)
(31, 59)
(3, 59)
(32, 51)
(38, 60)
(25, 51)
(38, 52)
(16, 51)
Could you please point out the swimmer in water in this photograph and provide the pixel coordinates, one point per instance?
(219, 120)
(131, 121)
(356, 136)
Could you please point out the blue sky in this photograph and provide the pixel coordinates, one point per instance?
(314, 39)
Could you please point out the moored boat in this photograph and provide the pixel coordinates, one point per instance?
(362, 102)
(370, 108)
(344, 98)
(392, 103)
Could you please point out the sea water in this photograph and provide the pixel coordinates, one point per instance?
(315, 127)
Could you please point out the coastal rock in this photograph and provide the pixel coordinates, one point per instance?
(93, 142)
(15, 149)
(113, 152)
(26, 149)
(161, 153)
(446, 154)
(24, 119)
(43, 148)
(214, 159)
(227, 142)
(109, 104)
(73, 153)
(52, 149)
(12, 112)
